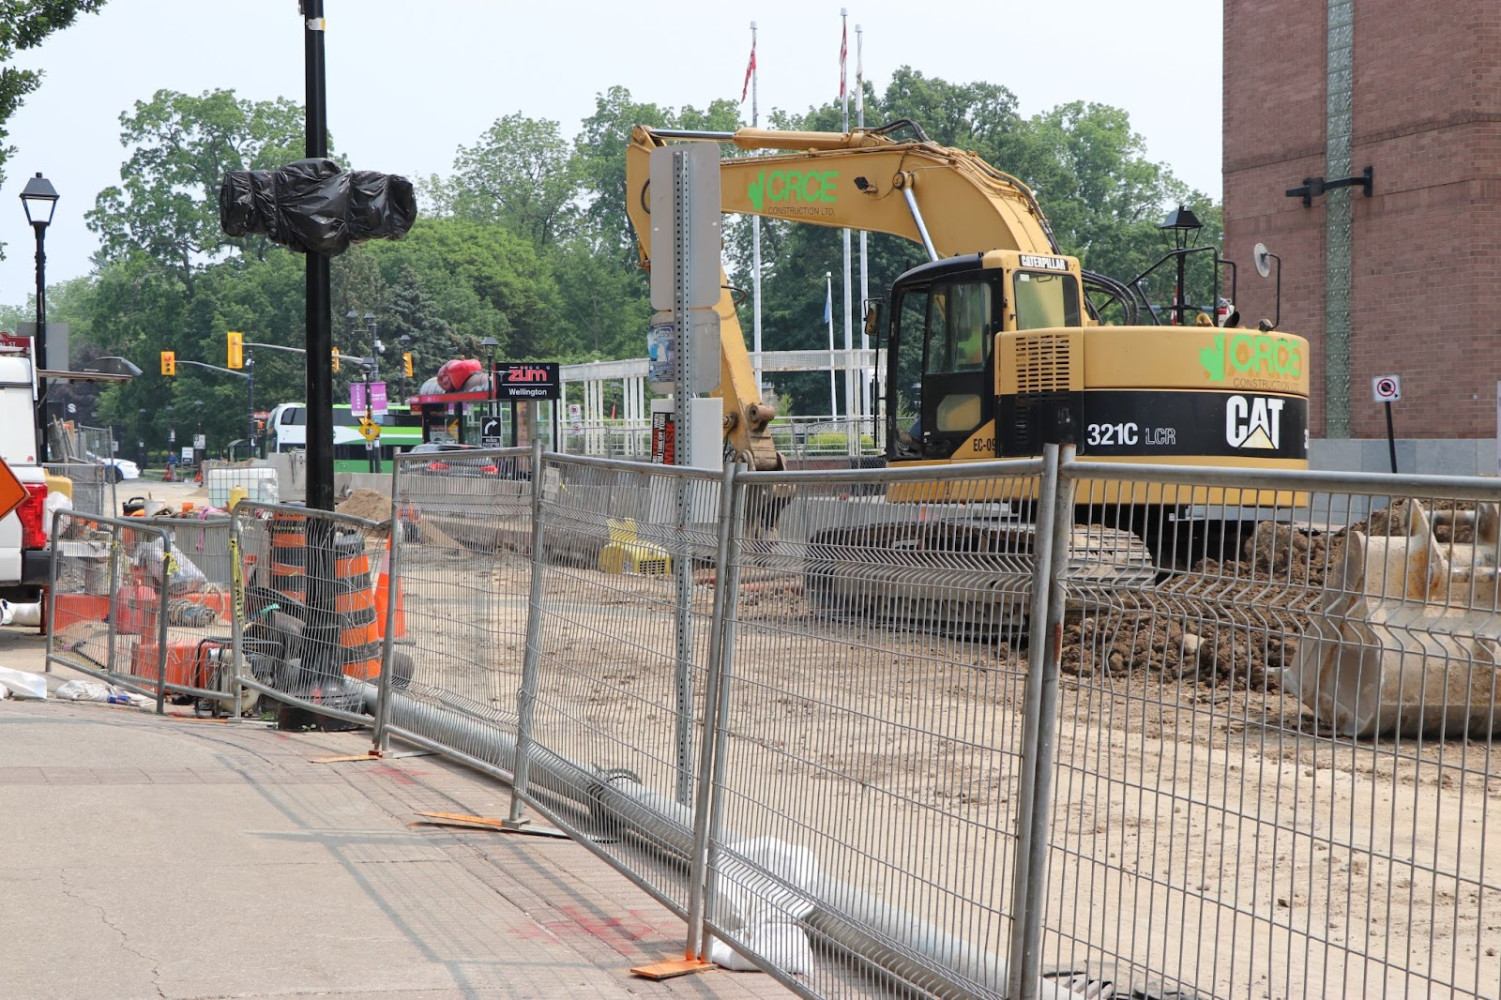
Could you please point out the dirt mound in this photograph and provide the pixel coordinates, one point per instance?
(1223, 623)
(372, 505)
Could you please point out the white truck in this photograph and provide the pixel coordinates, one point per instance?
(24, 532)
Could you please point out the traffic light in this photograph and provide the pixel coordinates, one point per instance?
(336, 359)
(169, 362)
(406, 364)
(236, 349)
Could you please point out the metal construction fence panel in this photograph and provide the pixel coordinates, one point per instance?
(458, 635)
(873, 771)
(307, 609)
(109, 602)
(93, 486)
(1275, 764)
(966, 731)
(613, 703)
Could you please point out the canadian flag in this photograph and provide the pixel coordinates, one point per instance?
(844, 49)
(751, 68)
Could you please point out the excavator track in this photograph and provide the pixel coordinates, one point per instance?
(967, 578)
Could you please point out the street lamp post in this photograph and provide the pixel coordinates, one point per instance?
(171, 443)
(200, 443)
(376, 347)
(141, 437)
(39, 199)
(490, 344)
(1183, 224)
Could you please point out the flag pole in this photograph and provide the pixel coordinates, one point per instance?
(866, 409)
(828, 314)
(755, 237)
(849, 328)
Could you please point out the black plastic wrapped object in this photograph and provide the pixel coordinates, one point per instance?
(311, 206)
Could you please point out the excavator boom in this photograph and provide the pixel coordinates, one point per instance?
(857, 180)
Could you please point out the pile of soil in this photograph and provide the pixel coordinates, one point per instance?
(1225, 623)
(372, 505)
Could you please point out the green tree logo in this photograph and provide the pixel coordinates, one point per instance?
(757, 191)
(1212, 359)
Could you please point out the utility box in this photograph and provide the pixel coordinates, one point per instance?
(260, 485)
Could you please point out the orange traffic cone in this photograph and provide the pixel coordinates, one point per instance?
(383, 596)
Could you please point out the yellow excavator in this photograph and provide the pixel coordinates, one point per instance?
(994, 345)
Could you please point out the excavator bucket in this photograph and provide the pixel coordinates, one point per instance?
(1407, 640)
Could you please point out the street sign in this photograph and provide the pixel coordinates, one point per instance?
(11, 490)
(490, 432)
(528, 380)
(369, 429)
(1386, 388)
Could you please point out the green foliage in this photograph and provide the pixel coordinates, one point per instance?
(24, 24)
(183, 146)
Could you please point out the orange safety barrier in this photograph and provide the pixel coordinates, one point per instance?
(355, 604)
(289, 555)
(383, 597)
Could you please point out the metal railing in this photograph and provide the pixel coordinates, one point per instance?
(985, 730)
(126, 605)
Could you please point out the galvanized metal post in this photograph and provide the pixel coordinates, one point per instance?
(718, 651)
(161, 623)
(1045, 659)
(236, 614)
(52, 597)
(526, 697)
(683, 431)
(714, 726)
(1037, 643)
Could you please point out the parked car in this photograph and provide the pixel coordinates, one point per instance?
(447, 457)
(121, 468)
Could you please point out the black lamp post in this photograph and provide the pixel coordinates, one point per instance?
(490, 344)
(200, 443)
(171, 442)
(376, 347)
(141, 437)
(1183, 224)
(39, 199)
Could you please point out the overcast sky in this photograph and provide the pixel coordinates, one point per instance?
(408, 82)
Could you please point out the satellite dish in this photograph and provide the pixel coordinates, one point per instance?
(1262, 258)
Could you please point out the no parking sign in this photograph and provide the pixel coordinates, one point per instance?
(1386, 388)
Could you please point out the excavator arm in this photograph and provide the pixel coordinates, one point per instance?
(862, 179)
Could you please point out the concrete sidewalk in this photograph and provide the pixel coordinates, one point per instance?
(177, 859)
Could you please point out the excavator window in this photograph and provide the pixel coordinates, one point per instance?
(1046, 300)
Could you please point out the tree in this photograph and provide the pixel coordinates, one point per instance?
(521, 174)
(182, 146)
(24, 24)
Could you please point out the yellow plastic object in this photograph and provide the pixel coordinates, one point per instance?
(60, 484)
(625, 553)
(236, 494)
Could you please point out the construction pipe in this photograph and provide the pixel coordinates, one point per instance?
(860, 924)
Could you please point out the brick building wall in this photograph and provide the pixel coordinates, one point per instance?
(1425, 303)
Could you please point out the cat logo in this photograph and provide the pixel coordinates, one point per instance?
(1254, 422)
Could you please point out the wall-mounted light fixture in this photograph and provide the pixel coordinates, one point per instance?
(1314, 187)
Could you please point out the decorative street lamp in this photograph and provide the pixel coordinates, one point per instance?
(39, 199)
(1183, 224)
